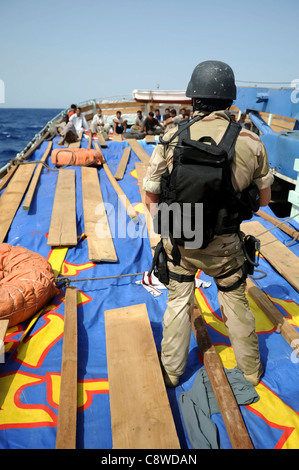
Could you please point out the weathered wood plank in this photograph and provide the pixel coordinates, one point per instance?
(119, 174)
(63, 229)
(278, 255)
(154, 238)
(261, 299)
(139, 151)
(226, 401)
(67, 413)
(101, 139)
(96, 225)
(125, 201)
(12, 197)
(140, 412)
(34, 181)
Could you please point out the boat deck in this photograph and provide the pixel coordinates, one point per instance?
(31, 372)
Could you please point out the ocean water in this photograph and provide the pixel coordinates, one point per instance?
(18, 126)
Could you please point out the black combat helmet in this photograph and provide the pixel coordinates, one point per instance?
(212, 79)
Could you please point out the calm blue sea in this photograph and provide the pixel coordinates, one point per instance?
(18, 126)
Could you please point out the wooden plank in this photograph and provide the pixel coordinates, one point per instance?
(12, 197)
(63, 230)
(125, 201)
(34, 181)
(76, 144)
(6, 179)
(3, 330)
(67, 413)
(101, 139)
(261, 299)
(118, 105)
(141, 417)
(122, 109)
(139, 151)
(89, 146)
(154, 238)
(119, 174)
(117, 137)
(150, 139)
(285, 228)
(277, 254)
(99, 238)
(226, 401)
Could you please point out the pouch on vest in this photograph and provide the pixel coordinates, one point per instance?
(201, 176)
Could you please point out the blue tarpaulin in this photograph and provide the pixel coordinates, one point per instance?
(30, 375)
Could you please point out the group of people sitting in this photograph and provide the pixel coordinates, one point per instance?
(155, 124)
(75, 123)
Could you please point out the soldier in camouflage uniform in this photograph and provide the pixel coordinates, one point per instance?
(224, 254)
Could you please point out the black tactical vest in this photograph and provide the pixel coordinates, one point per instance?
(202, 174)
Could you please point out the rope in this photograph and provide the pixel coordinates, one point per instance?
(66, 281)
(276, 226)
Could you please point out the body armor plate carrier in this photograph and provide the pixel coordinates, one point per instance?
(202, 174)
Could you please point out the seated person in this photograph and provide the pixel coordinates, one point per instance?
(79, 121)
(166, 115)
(72, 110)
(98, 123)
(119, 124)
(172, 121)
(139, 121)
(152, 126)
(157, 115)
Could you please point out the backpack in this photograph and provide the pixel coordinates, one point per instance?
(198, 193)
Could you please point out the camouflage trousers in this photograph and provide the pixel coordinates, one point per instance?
(223, 254)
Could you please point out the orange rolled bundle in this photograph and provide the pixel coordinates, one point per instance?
(77, 156)
(27, 283)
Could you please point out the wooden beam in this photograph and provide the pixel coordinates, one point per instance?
(34, 181)
(139, 151)
(101, 139)
(225, 398)
(154, 238)
(119, 174)
(3, 329)
(285, 228)
(6, 179)
(67, 413)
(261, 299)
(141, 416)
(119, 105)
(117, 137)
(89, 146)
(125, 201)
(12, 197)
(277, 254)
(150, 139)
(100, 245)
(63, 229)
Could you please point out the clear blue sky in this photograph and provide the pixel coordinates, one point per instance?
(57, 52)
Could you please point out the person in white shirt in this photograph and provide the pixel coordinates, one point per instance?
(139, 121)
(98, 123)
(79, 121)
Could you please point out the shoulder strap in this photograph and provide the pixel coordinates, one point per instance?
(183, 126)
(229, 138)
